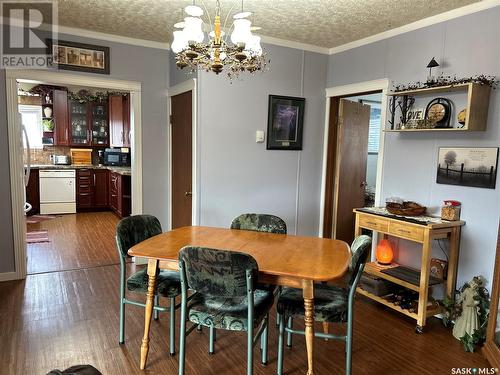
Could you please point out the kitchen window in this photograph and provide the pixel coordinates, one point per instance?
(31, 117)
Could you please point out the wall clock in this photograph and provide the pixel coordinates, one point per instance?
(438, 112)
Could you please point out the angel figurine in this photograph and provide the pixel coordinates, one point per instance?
(468, 321)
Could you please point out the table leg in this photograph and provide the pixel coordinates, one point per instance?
(308, 294)
(451, 284)
(424, 283)
(148, 311)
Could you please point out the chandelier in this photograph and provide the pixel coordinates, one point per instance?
(215, 51)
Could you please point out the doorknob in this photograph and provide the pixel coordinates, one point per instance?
(188, 194)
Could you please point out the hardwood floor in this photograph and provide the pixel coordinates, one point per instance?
(77, 241)
(58, 319)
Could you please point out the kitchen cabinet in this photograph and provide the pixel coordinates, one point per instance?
(89, 123)
(92, 189)
(61, 119)
(119, 120)
(120, 194)
(33, 192)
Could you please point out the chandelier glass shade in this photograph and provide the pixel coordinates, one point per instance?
(215, 51)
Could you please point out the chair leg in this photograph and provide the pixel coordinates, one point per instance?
(250, 347)
(172, 327)
(348, 359)
(199, 329)
(122, 322)
(264, 340)
(277, 319)
(182, 337)
(288, 334)
(211, 341)
(281, 339)
(155, 312)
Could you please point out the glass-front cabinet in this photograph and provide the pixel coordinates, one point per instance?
(89, 123)
(100, 124)
(79, 130)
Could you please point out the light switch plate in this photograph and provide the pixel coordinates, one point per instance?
(259, 136)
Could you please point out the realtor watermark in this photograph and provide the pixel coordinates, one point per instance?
(475, 370)
(27, 28)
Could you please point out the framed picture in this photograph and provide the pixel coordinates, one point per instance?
(78, 56)
(468, 166)
(285, 121)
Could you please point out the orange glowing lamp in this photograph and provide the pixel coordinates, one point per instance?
(384, 252)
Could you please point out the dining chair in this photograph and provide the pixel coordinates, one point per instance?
(332, 304)
(259, 223)
(224, 296)
(129, 232)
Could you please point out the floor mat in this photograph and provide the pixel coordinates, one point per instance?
(38, 218)
(37, 237)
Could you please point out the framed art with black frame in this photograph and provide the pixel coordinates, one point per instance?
(285, 122)
(78, 56)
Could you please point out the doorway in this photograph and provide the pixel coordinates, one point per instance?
(49, 223)
(353, 154)
(183, 155)
(182, 142)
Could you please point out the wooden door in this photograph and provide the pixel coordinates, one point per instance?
(116, 120)
(181, 123)
(350, 179)
(61, 122)
(101, 181)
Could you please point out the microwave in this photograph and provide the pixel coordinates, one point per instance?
(115, 157)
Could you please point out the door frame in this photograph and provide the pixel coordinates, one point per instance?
(350, 90)
(189, 85)
(16, 159)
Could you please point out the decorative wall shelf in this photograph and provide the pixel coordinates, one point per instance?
(477, 103)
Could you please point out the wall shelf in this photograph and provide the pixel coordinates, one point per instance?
(478, 97)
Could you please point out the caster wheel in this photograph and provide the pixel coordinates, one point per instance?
(264, 363)
(419, 330)
(172, 354)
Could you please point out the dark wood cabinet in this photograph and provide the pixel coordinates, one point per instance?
(119, 120)
(89, 125)
(120, 194)
(61, 119)
(33, 192)
(92, 189)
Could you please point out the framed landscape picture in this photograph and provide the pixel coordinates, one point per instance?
(468, 166)
(78, 56)
(285, 121)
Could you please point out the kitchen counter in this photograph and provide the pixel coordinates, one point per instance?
(124, 171)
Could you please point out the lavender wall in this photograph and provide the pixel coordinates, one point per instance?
(464, 46)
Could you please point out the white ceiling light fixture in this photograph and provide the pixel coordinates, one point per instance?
(242, 52)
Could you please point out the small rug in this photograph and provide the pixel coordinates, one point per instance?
(38, 218)
(37, 237)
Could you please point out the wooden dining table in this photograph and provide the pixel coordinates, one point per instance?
(283, 260)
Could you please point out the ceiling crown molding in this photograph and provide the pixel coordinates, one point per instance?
(438, 18)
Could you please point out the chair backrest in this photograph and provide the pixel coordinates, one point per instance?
(134, 229)
(360, 249)
(259, 223)
(215, 272)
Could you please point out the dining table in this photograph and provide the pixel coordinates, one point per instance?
(283, 260)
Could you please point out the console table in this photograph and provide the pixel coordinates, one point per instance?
(423, 232)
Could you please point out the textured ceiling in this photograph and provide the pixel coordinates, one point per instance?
(324, 23)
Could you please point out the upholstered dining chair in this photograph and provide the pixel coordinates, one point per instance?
(332, 304)
(224, 297)
(259, 223)
(129, 232)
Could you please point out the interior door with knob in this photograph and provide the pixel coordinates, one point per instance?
(181, 143)
(350, 179)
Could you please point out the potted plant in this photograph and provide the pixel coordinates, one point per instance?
(48, 125)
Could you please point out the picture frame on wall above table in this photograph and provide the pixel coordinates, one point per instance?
(285, 122)
(79, 57)
(468, 166)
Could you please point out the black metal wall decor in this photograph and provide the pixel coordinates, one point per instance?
(403, 104)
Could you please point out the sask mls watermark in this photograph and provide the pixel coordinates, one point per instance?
(26, 27)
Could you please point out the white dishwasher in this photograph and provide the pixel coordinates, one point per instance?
(58, 191)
